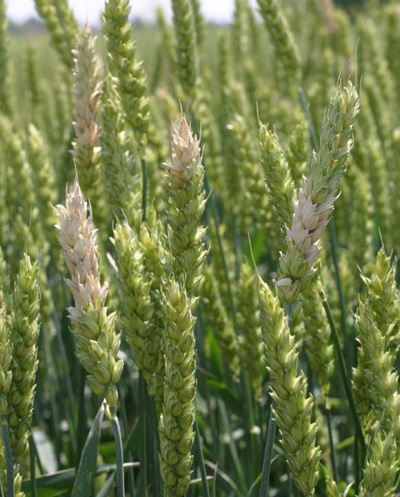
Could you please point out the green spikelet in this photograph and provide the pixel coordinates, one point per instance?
(393, 43)
(123, 187)
(331, 487)
(373, 163)
(4, 277)
(165, 64)
(19, 176)
(42, 114)
(21, 194)
(240, 32)
(395, 199)
(97, 342)
(186, 54)
(167, 52)
(336, 142)
(159, 68)
(199, 23)
(124, 66)
(185, 207)
(210, 135)
(141, 258)
(381, 468)
(44, 181)
(317, 196)
(35, 94)
(18, 354)
(384, 301)
(255, 32)
(236, 103)
(377, 324)
(383, 117)
(67, 21)
(224, 76)
(156, 259)
(219, 322)
(64, 162)
(88, 90)
(63, 131)
(62, 26)
(361, 223)
(5, 356)
(4, 76)
(24, 327)
(280, 186)
(371, 60)
(298, 152)
(17, 475)
(281, 37)
(343, 37)
(292, 406)
(156, 152)
(317, 333)
(248, 199)
(136, 305)
(251, 346)
(4, 192)
(178, 410)
(5, 370)
(254, 87)
(257, 205)
(23, 241)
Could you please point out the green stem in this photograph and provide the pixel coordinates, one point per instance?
(54, 419)
(356, 466)
(264, 487)
(81, 414)
(120, 457)
(131, 474)
(331, 442)
(291, 487)
(32, 455)
(155, 444)
(9, 458)
(306, 111)
(143, 419)
(344, 375)
(145, 187)
(201, 460)
(37, 458)
(64, 367)
(234, 454)
(250, 418)
(397, 485)
(214, 211)
(237, 247)
(335, 258)
(64, 375)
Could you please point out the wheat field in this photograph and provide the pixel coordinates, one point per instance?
(199, 231)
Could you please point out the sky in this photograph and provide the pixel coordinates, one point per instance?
(90, 10)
